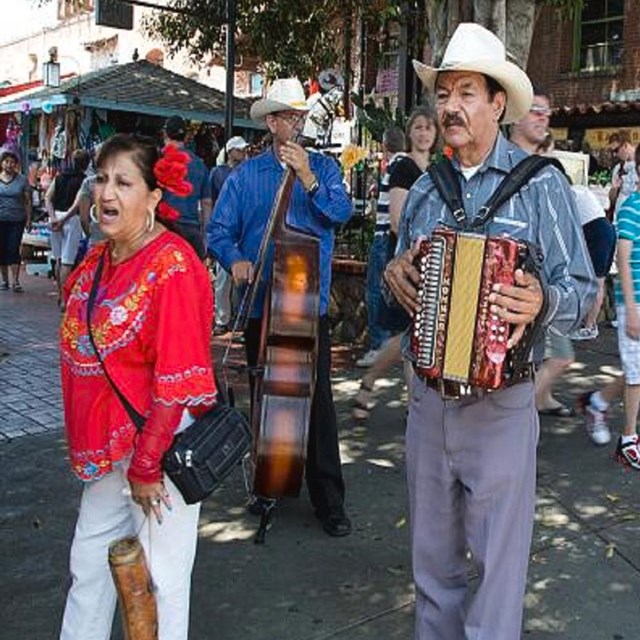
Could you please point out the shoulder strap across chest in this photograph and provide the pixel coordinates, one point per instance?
(447, 183)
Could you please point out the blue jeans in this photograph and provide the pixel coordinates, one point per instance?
(375, 268)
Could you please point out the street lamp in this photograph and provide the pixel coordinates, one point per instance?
(51, 69)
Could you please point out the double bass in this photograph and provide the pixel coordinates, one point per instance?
(284, 378)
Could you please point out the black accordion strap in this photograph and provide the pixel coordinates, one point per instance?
(513, 182)
(447, 183)
(137, 419)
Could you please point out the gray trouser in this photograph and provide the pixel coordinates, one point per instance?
(223, 286)
(471, 467)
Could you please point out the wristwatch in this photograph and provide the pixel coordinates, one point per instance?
(315, 185)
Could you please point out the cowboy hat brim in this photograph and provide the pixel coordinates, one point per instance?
(260, 109)
(513, 80)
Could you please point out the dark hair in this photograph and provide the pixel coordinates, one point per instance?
(539, 91)
(7, 153)
(143, 150)
(80, 160)
(624, 137)
(393, 138)
(493, 88)
(424, 111)
(176, 128)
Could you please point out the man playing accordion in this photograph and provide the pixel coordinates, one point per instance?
(471, 451)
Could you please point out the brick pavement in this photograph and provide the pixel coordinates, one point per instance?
(30, 401)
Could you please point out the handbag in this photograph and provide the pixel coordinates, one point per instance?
(206, 452)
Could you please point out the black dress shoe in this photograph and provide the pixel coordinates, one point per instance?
(258, 505)
(336, 524)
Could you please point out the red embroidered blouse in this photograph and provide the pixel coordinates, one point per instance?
(152, 324)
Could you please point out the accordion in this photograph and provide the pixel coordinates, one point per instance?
(454, 336)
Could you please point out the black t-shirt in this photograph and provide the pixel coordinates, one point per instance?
(66, 186)
(404, 173)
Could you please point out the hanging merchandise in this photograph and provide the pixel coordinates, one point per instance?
(59, 141)
(12, 142)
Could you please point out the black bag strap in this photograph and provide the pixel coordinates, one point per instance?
(448, 185)
(137, 418)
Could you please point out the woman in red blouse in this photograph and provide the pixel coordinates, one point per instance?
(152, 324)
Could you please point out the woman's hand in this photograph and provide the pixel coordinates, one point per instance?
(150, 496)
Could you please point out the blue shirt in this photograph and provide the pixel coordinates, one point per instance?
(238, 222)
(187, 207)
(542, 213)
(628, 226)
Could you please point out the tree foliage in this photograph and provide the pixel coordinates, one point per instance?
(289, 37)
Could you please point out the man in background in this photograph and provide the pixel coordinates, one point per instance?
(236, 152)
(195, 208)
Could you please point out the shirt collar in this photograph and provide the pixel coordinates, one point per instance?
(267, 161)
(503, 157)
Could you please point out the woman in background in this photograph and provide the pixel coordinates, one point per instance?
(423, 134)
(15, 216)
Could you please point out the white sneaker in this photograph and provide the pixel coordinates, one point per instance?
(596, 425)
(367, 359)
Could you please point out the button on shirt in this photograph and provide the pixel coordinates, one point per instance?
(238, 222)
(542, 213)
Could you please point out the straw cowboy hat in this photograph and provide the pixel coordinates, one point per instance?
(474, 48)
(285, 94)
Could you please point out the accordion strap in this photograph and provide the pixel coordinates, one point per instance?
(137, 418)
(447, 183)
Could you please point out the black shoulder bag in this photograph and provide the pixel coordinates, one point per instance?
(202, 455)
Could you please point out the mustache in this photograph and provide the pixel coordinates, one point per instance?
(453, 120)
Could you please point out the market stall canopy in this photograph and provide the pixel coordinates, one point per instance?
(137, 87)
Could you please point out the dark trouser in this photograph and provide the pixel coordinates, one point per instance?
(193, 235)
(323, 470)
(10, 240)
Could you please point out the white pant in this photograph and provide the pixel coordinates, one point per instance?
(107, 514)
(65, 243)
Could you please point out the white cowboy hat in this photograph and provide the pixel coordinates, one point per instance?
(474, 48)
(285, 94)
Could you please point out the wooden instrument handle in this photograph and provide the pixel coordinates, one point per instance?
(135, 590)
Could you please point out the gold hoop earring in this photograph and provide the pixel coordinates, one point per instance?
(93, 214)
(151, 219)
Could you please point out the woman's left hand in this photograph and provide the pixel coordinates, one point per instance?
(150, 496)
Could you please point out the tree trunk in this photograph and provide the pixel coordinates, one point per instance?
(511, 20)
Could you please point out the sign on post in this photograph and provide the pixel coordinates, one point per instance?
(114, 13)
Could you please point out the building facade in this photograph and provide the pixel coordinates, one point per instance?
(69, 28)
(590, 67)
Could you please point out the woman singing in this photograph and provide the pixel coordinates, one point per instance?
(151, 323)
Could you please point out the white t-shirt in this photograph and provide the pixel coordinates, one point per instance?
(589, 207)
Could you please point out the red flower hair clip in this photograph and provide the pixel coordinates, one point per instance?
(170, 171)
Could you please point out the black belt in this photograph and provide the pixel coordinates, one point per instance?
(383, 227)
(455, 390)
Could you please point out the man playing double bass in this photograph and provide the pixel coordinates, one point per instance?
(318, 204)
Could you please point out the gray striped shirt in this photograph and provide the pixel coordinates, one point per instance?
(542, 213)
